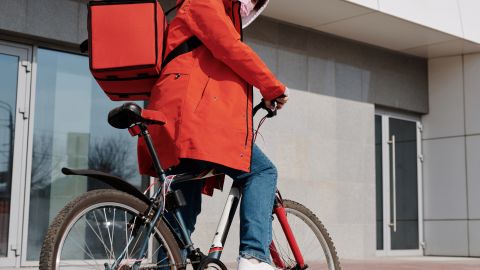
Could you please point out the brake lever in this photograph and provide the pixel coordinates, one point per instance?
(270, 113)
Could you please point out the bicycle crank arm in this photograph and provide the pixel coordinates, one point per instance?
(298, 267)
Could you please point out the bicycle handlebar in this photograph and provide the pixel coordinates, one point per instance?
(270, 113)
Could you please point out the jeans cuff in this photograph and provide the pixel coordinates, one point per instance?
(253, 254)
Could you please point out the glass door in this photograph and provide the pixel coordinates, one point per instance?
(14, 67)
(68, 129)
(398, 185)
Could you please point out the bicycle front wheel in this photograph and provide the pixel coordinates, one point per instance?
(95, 231)
(314, 242)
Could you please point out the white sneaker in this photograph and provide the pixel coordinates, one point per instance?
(246, 264)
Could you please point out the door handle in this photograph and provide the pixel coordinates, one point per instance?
(393, 183)
(24, 112)
(15, 249)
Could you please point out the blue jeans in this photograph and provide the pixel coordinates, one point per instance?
(258, 195)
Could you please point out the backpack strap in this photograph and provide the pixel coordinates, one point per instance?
(173, 8)
(185, 47)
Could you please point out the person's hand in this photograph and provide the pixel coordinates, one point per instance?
(280, 101)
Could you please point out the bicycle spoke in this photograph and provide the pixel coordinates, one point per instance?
(161, 260)
(128, 239)
(155, 252)
(89, 253)
(138, 239)
(108, 232)
(99, 238)
(126, 234)
(310, 243)
(284, 255)
(113, 230)
(109, 253)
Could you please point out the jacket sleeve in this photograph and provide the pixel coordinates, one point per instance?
(209, 23)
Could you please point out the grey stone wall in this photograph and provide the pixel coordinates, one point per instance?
(55, 20)
(320, 63)
(61, 22)
(324, 151)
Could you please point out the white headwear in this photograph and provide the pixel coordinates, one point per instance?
(253, 15)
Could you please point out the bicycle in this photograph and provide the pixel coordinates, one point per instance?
(147, 240)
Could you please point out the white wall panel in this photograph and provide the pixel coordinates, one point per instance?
(446, 115)
(442, 15)
(472, 93)
(447, 238)
(367, 3)
(474, 237)
(386, 31)
(445, 179)
(473, 176)
(313, 12)
(457, 17)
(470, 20)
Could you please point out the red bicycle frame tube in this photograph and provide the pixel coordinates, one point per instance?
(282, 218)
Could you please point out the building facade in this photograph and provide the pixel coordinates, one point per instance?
(380, 138)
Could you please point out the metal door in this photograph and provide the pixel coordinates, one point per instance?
(399, 193)
(14, 89)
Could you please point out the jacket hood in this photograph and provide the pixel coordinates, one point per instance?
(253, 15)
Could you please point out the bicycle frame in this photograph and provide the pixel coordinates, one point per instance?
(154, 213)
(226, 220)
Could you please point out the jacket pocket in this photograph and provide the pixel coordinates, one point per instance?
(203, 97)
(173, 79)
(172, 73)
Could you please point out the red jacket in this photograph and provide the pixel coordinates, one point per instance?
(206, 94)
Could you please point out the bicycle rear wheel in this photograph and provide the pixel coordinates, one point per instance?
(314, 242)
(96, 228)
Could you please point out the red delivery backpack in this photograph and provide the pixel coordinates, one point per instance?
(125, 44)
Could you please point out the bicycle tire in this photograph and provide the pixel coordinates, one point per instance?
(211, 264)
(331, 260)
(77, 209)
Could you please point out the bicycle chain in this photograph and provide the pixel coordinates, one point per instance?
(156, 266)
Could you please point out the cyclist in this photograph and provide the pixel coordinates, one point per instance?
(206, 96)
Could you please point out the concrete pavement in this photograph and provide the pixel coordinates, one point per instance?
(404, 263)
(413, 263)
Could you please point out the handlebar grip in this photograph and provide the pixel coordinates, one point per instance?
(270, 113)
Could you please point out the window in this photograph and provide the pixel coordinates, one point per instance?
(71, 130)
(8, 91)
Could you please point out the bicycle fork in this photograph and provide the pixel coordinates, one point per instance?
(227, 218)
(281, 214)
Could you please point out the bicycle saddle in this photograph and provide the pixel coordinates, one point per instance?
(129, 114)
